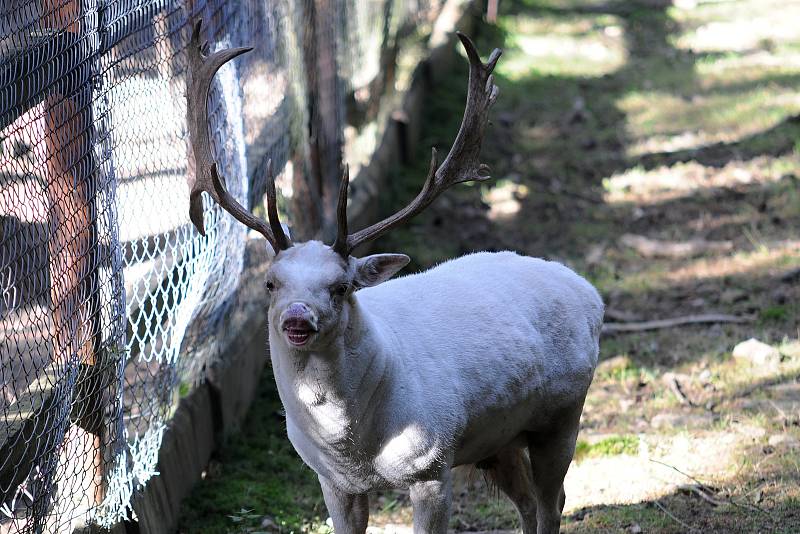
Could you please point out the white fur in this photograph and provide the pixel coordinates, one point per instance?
(425, 372)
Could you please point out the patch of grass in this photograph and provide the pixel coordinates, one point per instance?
(715, 118)
(620, 368)
(617, 519)
(491, 512)
(774, 313)
(610, 446)
(257, 473)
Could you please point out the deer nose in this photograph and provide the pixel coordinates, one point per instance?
(298, 314)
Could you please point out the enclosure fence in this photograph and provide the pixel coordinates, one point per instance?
(109, 298)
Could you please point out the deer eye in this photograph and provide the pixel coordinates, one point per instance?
(270, 285)
(340, 290)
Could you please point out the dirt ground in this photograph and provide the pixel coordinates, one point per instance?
(654, 147)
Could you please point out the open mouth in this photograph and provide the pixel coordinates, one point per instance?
(298, 332)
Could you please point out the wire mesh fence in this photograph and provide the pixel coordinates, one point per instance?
(107, 293)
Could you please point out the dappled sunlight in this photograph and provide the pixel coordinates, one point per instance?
(580, 46)
(768, 259)
(625, 479)
(504, 199)
(733, 72)
(723, 425)
(660, 121)
(740, 29)
(646, 187)
(737, 378)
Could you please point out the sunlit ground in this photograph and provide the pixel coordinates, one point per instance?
(672, 123)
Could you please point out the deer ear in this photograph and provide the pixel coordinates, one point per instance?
(378, 268)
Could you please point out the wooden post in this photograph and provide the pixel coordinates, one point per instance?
(73, 245)
(319, 58)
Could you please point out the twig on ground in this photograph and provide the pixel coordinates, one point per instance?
(675, 387)
(687, 475)
(611, 328)
(711, 490)
(779, 410)
(697, 490)
(669, 514)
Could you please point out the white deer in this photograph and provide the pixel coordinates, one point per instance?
(483, 360)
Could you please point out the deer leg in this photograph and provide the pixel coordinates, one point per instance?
(431, 500)
(511, 470)
(349, 512)
(550, 457)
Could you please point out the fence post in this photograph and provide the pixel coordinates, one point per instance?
(73, 244)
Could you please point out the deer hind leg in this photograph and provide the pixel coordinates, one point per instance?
(550, 457)
(511, 470)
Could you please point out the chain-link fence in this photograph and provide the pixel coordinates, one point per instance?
(108, 294)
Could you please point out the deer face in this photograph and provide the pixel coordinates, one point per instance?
(311, 287)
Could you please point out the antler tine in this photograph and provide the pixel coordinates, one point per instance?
(461, 163)
(340, 245)
(281, 241)
(200, 74)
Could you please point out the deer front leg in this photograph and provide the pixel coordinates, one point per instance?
(349, 512)
(431, 501)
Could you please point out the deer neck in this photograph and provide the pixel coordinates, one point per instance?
(341, 384)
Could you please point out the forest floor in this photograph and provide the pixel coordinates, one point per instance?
(654, 147)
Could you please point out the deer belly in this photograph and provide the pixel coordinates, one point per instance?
(536, 407)
(495, 429)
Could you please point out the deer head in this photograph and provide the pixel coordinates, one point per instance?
(311, 283)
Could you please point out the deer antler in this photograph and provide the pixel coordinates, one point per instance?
(200, 74)
(460, 165)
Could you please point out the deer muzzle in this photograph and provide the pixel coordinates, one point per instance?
(298, 323)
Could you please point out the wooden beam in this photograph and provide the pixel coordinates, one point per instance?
(324, 130)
